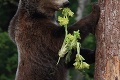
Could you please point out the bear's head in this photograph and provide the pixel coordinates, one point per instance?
(46, 7)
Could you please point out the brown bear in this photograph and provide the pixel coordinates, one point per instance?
(38, 38)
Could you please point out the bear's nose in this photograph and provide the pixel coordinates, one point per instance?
(66, 4)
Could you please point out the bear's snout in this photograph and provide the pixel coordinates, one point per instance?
(66, 4)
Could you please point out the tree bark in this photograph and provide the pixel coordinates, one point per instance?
(107, 66)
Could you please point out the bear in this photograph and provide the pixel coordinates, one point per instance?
(38, 37)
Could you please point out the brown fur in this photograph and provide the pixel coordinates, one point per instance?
(38, 40)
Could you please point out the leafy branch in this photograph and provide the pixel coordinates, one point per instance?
(70, 42)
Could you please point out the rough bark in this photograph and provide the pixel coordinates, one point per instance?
(107, 66)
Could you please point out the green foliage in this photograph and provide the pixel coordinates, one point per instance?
(89, 42)
(7, 10)
(73, 7)
(88, 74)
(8, 57)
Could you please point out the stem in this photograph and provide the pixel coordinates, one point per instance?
(66, 32)
(58, 61)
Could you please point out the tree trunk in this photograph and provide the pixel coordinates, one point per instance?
(107, 66)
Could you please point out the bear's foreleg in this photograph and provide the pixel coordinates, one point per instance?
(87, 24)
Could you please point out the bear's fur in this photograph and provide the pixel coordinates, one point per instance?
(39, 38)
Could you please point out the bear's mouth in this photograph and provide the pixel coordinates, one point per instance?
(57, 8)
(62, 6)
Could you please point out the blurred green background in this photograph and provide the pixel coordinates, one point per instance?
(8, 51)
